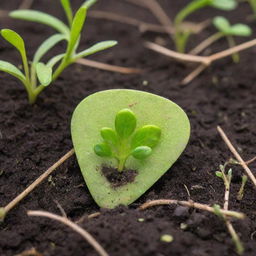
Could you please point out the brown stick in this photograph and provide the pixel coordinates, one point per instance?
(26, 4)
(177, 55)
(251, 160)
(195, 73)
(141, 25)
(87, 236)
(108, 67)
(236, 154)
(192, 205)
(31, 187)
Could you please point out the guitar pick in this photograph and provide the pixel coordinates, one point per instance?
(99, 110)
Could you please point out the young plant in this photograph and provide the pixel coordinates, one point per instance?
(122, 142)
(252, 3)
(240, 193)
(38, 75)
(229, 31)
(133, 125)
(182, 33)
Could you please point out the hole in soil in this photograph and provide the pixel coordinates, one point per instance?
(116, 178)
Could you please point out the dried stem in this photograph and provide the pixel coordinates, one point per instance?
(26, 4)
(250, 161)
(237, 156)
(30, 188)
(206, 43)
(108, 67)
(141, 25)
(192, 205)
(196, 72)
(87, 236)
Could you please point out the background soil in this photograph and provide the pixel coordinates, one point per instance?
(32, 138)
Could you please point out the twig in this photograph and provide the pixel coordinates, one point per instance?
(87, 236)
(30, 188)
(3, 13)
(108, 67)
(26, 4)
(86, 217)
(237, 156)
(30, 252)
(137, 2)
(177, 55)
(195, 73)
(192, 205)
(251, 160)
(141, 25)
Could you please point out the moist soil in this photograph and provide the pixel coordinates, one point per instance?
(32, 138)
(117, 178)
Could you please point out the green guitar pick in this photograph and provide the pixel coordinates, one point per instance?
(99, 110)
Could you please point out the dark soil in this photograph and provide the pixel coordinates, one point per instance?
(116, 178)
(32, 138)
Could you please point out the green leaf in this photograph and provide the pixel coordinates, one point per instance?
(44, 73)
(95, 48)
(47, 45)
(141, 152)
(148, 135)
(53, 61)
(15, 39)
(240, 30)
(76, 29)
(40, 17)
(219, 174)
(12, 70)
(109, 135)
(102, 150)
(222, 24)
(226, 5)
(68, 10)
(89, 3)
(125, 123)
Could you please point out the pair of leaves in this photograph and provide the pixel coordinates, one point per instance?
(223, 25)
(44, 73)
(139, 146)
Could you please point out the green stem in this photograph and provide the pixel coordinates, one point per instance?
(232, 43)
(253, 6)
(121, 164)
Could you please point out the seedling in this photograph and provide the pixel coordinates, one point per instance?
(229, 31)
(252, 3)
(38, 75)
(123, 142)
(141, 132)
(182, 33)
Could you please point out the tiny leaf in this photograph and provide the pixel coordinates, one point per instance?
(15, 39)
(109, 135)
(222, 24)
(226, 5)
(125, 123)
(12, 70)
(87, 4)
(47, 45)
(96, 48)
(68, 10)
(44, 73)
(76, 28)
(240, 30)
(148, 135)
(40, 17)
(219, 174)
(141, 152)
(102, 150)
(53, 61)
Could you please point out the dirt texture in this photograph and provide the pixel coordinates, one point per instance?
(32, 138)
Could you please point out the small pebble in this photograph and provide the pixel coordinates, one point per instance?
(166, 238)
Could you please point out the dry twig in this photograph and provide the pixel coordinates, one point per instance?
(26, 4)
(237, 156)
(30, 252)
(191, 204)
(30, 188)
(108, 67)
(87, 236)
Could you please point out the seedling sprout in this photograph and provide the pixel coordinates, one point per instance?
(38, 75)
(123, 142)
(182, 33)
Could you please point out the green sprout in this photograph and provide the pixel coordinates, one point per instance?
(229, 31)
(252, 3)
(124, 142)
(182, 32)
(38, 75)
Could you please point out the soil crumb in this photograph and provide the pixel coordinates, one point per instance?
(116, 178)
